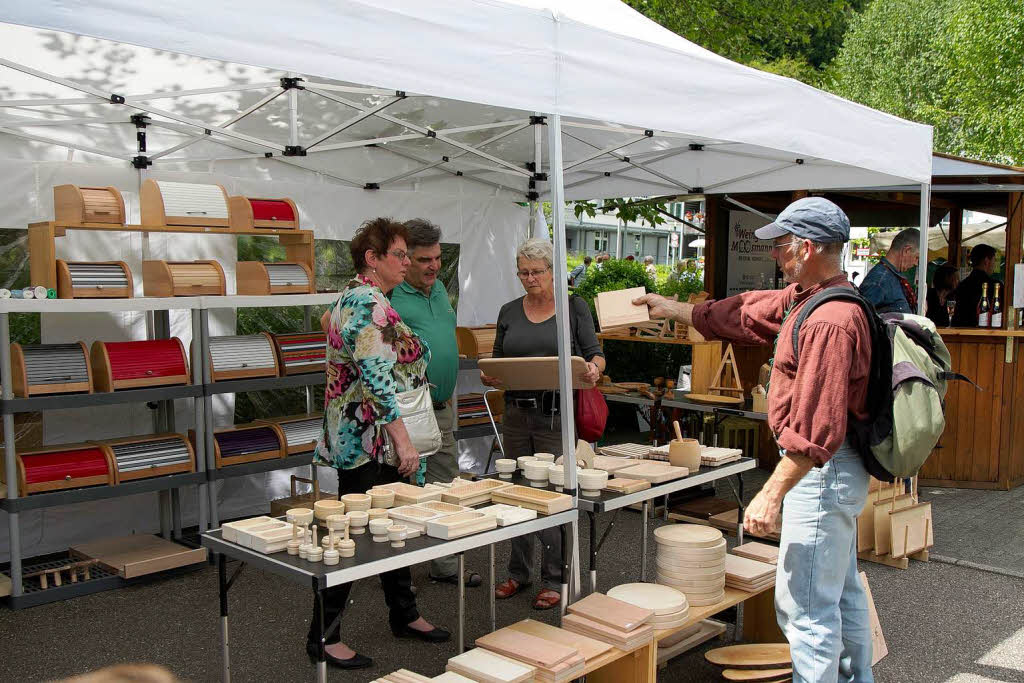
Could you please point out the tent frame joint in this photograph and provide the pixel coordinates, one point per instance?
(141, 161)
(538, 120)
(294, 151)
(289, 82)
(696, 147)
(542, 177)
(116, 99)
(140, 120)
(371, 186)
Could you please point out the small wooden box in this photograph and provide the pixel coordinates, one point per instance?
(248, 213)
(142, 457)
(38, 369)
(163, 202)
(236, 357)
(476, 342)
(301, 432)
(301, 353)
(136, 364)
(74, 205)
(183, 278)
(98, 280)
(246, 443)
(68, 466)
(255, 278)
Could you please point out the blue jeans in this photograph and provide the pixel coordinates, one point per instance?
(819, 600)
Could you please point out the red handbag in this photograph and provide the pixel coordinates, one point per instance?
(591, 414)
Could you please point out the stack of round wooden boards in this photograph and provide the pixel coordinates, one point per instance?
(691, 559)
(671, 609)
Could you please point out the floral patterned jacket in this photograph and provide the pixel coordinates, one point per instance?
(371, 356)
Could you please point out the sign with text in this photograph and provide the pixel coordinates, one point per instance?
(673, 240)
(751, 265)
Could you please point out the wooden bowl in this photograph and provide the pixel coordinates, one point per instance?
(536, 471)
(592, 480)
(381, 498)
(301, 516)
(503, 465)
(325, 508)
(356, 502)
(523, 459)
(379, 528)
(556, 474)
(377, 513)
(545, 457)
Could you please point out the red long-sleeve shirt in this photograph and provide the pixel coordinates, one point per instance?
(808, 402)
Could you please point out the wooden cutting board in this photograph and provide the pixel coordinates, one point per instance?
(762, 552)
(587, 646)
(714, 398)
(751, 655)
(483, 665)
(526, 648)
(746, 570)
(709, 586)
(882, 528)
(626, 450)
(688, 536)
(532, 373)
(624, 485)
(654, 472)
(661, 599)
(614, 636)
(616, 309)
(910, 530)
(611, 612)
(705, 566)
(451, 677)
(773, 675)
(612, 464)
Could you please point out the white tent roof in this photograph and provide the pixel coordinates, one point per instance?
(592, 61)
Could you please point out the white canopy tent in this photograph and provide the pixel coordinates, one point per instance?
(478, 102)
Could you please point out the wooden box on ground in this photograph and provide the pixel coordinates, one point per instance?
(251, 212)
(138, 554)
(163, 202)
(280, 506)
(38, 369)
(137, 364)
(301, 352)
(183, 278)
(476, 342)
(255, 278)
(94, 280)
(75, 205)
(142, 457)
(301, 432)
(65, 466)
(242, 356)
(245, 443)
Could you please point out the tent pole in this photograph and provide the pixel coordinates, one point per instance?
(293, 114)
(922, 267)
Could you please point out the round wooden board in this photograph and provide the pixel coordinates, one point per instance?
(693, 553)
(751, 655)
(661, 599)
(675, 565)
(658, 620)
(688, 536)
(686, 586)
(773, 675)
(692, 575)
(670, 624)
(703, 602)
(714, 398)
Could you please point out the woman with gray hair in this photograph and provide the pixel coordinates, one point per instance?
(526, 327)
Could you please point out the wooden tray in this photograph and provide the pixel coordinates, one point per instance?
(757, 551)
(752, 655)
(474, 492)
(617, 614)
(412, 516)
(460, 524)
(588, 647)
(612, 464)
(543, 501)
(661, 599)
(442, 508)
(624, 485)
(508, 514)
(526, 648)
(714, 398)
(688, 536)
(229, 530)
(138, 554)
(528, 374)
(407, 494)
(490, 667)
(654, 472)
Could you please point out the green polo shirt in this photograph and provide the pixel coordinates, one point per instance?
(433, 319)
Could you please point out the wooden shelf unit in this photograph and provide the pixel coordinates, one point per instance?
(42, 248)
(707, 355)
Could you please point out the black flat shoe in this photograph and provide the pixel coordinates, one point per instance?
(357, 661)
(471, 579)
(437, 635)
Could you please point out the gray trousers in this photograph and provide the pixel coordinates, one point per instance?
(444, 466)
(526, 431)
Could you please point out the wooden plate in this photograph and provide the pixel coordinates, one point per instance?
(704, 602)
(685, 585)
(751, 655)
(692, 554)
(661, 599)
(685, 566)
(688, 535)
(773, 675)
(714, 398)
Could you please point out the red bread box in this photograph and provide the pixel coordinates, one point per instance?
(137, 364)
(67, 466)
(249, 212)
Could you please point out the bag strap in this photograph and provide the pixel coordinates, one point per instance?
(835, 294)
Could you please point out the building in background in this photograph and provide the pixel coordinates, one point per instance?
(667, 242)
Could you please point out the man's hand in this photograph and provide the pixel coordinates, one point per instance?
(663, 307)
(761, 517)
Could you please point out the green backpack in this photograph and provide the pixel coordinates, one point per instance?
(910, 366)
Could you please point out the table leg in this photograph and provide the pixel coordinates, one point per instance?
(321, 664)
(564, 530)
(739, 513)
(462, 603)
(593, 551)
(645, 510)
(222, 575)
(494, 609)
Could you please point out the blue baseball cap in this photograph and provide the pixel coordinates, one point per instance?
(811, 218)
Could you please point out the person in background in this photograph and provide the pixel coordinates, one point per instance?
(820, 601)
(650, 268)
(526, 327)
(968, 294)
(630, 257)
(422, 301)
(885, 285)
(579, 272)
(944, 281)
(371, 357)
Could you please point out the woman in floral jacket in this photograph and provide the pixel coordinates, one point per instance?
(371, 356)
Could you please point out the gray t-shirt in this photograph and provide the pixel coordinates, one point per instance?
(517, 336)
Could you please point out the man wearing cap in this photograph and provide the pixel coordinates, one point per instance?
(820, 602)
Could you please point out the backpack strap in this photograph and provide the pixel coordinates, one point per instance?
(836, 294)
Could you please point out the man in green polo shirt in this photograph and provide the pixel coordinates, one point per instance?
(422, 301)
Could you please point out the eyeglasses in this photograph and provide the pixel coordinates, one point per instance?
(776, 247)
(527, 274)
(399, 254)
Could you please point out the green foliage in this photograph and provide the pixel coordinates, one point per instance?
(615, 274)
(626, 210)
(684, 284)
(14, 274)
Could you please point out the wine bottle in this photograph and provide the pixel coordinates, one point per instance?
(997, 309)
(984, 314)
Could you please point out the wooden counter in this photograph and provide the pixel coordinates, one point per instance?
(983, 444)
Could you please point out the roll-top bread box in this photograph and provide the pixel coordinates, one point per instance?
(183, 278)
(163, 202)
(139, 364)
(248, 213)
(236, 357)
(74, 205)
(301, 352)
(476, 342)
(38, 369)
(246, 443)
(98, 280)
(258, 278)
(142, 457)
(301, 432)
(67, 466)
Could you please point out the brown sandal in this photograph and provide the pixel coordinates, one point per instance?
(547, 599)
(507, 589)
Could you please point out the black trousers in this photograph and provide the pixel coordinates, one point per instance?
(397, 585)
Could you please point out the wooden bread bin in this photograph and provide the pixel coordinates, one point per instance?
(246, 443)
(163, 202)
(255, 278)
(74, 205)
(137, 364)
(301, 353)
(248, 213)
(67, 466)
(183, 278)
(301, 432)
(241, 356)
(97, 280)
(38, 369)
(142, 457)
